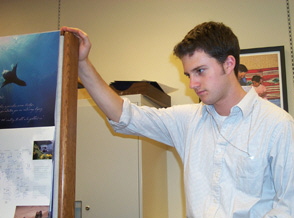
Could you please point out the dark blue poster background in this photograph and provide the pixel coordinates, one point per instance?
(28, 79)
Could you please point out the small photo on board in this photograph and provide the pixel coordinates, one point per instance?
(42, 150)
(31, 212)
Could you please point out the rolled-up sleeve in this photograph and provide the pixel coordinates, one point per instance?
(166, 125)
(125, 117)
(143, 121)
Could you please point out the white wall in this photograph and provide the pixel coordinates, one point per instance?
(133, 40)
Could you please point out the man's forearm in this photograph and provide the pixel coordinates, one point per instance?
(106, 99)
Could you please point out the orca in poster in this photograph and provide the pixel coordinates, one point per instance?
(11, 77)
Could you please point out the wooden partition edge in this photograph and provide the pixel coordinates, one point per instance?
(68, 126)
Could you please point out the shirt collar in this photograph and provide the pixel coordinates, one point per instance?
(247, 102)
(245, 105)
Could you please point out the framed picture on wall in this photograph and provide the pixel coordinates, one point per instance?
(264, 69)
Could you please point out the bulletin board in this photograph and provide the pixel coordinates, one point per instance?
(38, 106)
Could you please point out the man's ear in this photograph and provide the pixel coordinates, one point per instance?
(229, 64)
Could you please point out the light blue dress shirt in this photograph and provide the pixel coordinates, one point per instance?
(239, 166)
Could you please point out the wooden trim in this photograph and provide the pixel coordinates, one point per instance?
(68, 122)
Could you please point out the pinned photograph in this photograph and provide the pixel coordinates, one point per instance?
(31, 212)
(42, 150)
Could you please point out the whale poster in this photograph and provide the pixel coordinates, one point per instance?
(29, 69)
(28, 74)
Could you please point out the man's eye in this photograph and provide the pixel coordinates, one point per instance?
(199, 71)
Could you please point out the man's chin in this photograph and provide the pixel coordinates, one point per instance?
(205, 101)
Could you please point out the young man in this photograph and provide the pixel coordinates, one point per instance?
(237, 149)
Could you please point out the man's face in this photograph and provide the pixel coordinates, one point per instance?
(241, 75)
(207, 77)
(255, 84)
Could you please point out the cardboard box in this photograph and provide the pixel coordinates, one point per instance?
(149, 89)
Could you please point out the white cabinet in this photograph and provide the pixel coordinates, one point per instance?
(118, 176)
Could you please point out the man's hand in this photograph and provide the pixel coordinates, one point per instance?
(85, 44)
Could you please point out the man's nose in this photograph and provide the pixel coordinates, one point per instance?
(194, 83)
